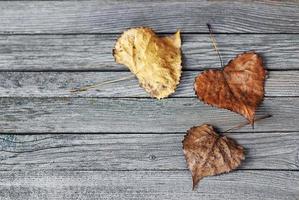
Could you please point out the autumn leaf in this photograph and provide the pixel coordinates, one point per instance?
(156, 61)
(239, 86)
(208, 154)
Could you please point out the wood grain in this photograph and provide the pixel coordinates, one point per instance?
(60, 84)
(89, 185)
(94, 52)
(273, 150)
(110, 143)
(114, 16)
(134, 115)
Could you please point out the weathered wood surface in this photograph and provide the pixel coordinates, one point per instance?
(272, 150)
(121, 115)
(110, 17)
(94, 52)
(133, 149)
(60, 84)
(248, 185)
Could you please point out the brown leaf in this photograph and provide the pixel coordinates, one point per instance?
(208, 154)
(156, 61)
(238, 87)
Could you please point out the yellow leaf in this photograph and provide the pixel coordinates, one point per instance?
(156, 61)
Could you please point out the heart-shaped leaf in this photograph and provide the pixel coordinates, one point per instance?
(208, 154)
(238, 87)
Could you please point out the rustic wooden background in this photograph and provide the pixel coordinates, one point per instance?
(116, 142)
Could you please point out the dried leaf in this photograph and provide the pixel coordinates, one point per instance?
(156, 61)
(208, 154)
(238, 87)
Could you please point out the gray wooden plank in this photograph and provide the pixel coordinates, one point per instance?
(273, 150)
(138, 115)
(60, 84)
(110, 17)
(255, 185)
(94, 52)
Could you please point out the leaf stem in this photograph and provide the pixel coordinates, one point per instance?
(85, 88)
(245, 123)
(214, 42)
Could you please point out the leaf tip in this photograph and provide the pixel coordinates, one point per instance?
(195, 181)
